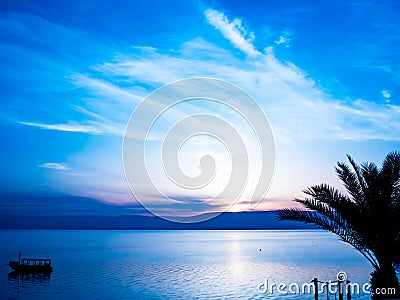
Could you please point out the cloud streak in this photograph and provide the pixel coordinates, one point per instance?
(55, 166)
(233, 31)
(102, 97)
(69, 127)
(297, 108)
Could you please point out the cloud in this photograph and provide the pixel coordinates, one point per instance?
(281, 40)
(233, 31)
(105, 95)
(386, 94)
(55, 166)
(298, 109)
(285, 38)
(103, 111)
(70, 127)
(103, 88)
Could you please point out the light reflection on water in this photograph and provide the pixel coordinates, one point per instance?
(175, 264)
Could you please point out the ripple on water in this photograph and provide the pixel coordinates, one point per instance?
(179, 265)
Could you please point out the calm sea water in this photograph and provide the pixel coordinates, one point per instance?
(175, 264)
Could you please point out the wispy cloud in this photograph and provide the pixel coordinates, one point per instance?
(296, 107)
(281, 40)
(106, 89)
(285, 38)
(233, 31)
(70, 127)
(288, 94)
(55, 166)
(299, 109)
(386, 94)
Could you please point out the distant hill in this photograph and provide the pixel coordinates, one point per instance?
(225, 221)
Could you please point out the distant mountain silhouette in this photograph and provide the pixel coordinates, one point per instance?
(225, 221)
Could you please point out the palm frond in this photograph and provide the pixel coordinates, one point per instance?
(357, 171)
(348, 209)
(368, 217)
(391, 164)
(370, 173)
(336, 225)
(352, 180)
(390, 176)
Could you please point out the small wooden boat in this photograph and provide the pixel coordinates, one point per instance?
(31, 265)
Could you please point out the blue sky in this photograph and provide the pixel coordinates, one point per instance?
(326, 74)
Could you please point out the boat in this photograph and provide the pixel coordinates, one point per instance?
(31, 265)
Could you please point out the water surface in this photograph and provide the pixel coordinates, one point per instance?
(175, 264)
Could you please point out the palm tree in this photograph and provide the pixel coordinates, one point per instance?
(367, 216)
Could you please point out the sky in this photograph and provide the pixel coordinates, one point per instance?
(325, 73)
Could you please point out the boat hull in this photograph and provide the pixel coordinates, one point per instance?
(30, 269)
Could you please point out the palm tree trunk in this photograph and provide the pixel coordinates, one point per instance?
(384, 282)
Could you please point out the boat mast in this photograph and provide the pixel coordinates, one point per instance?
(19, 257)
